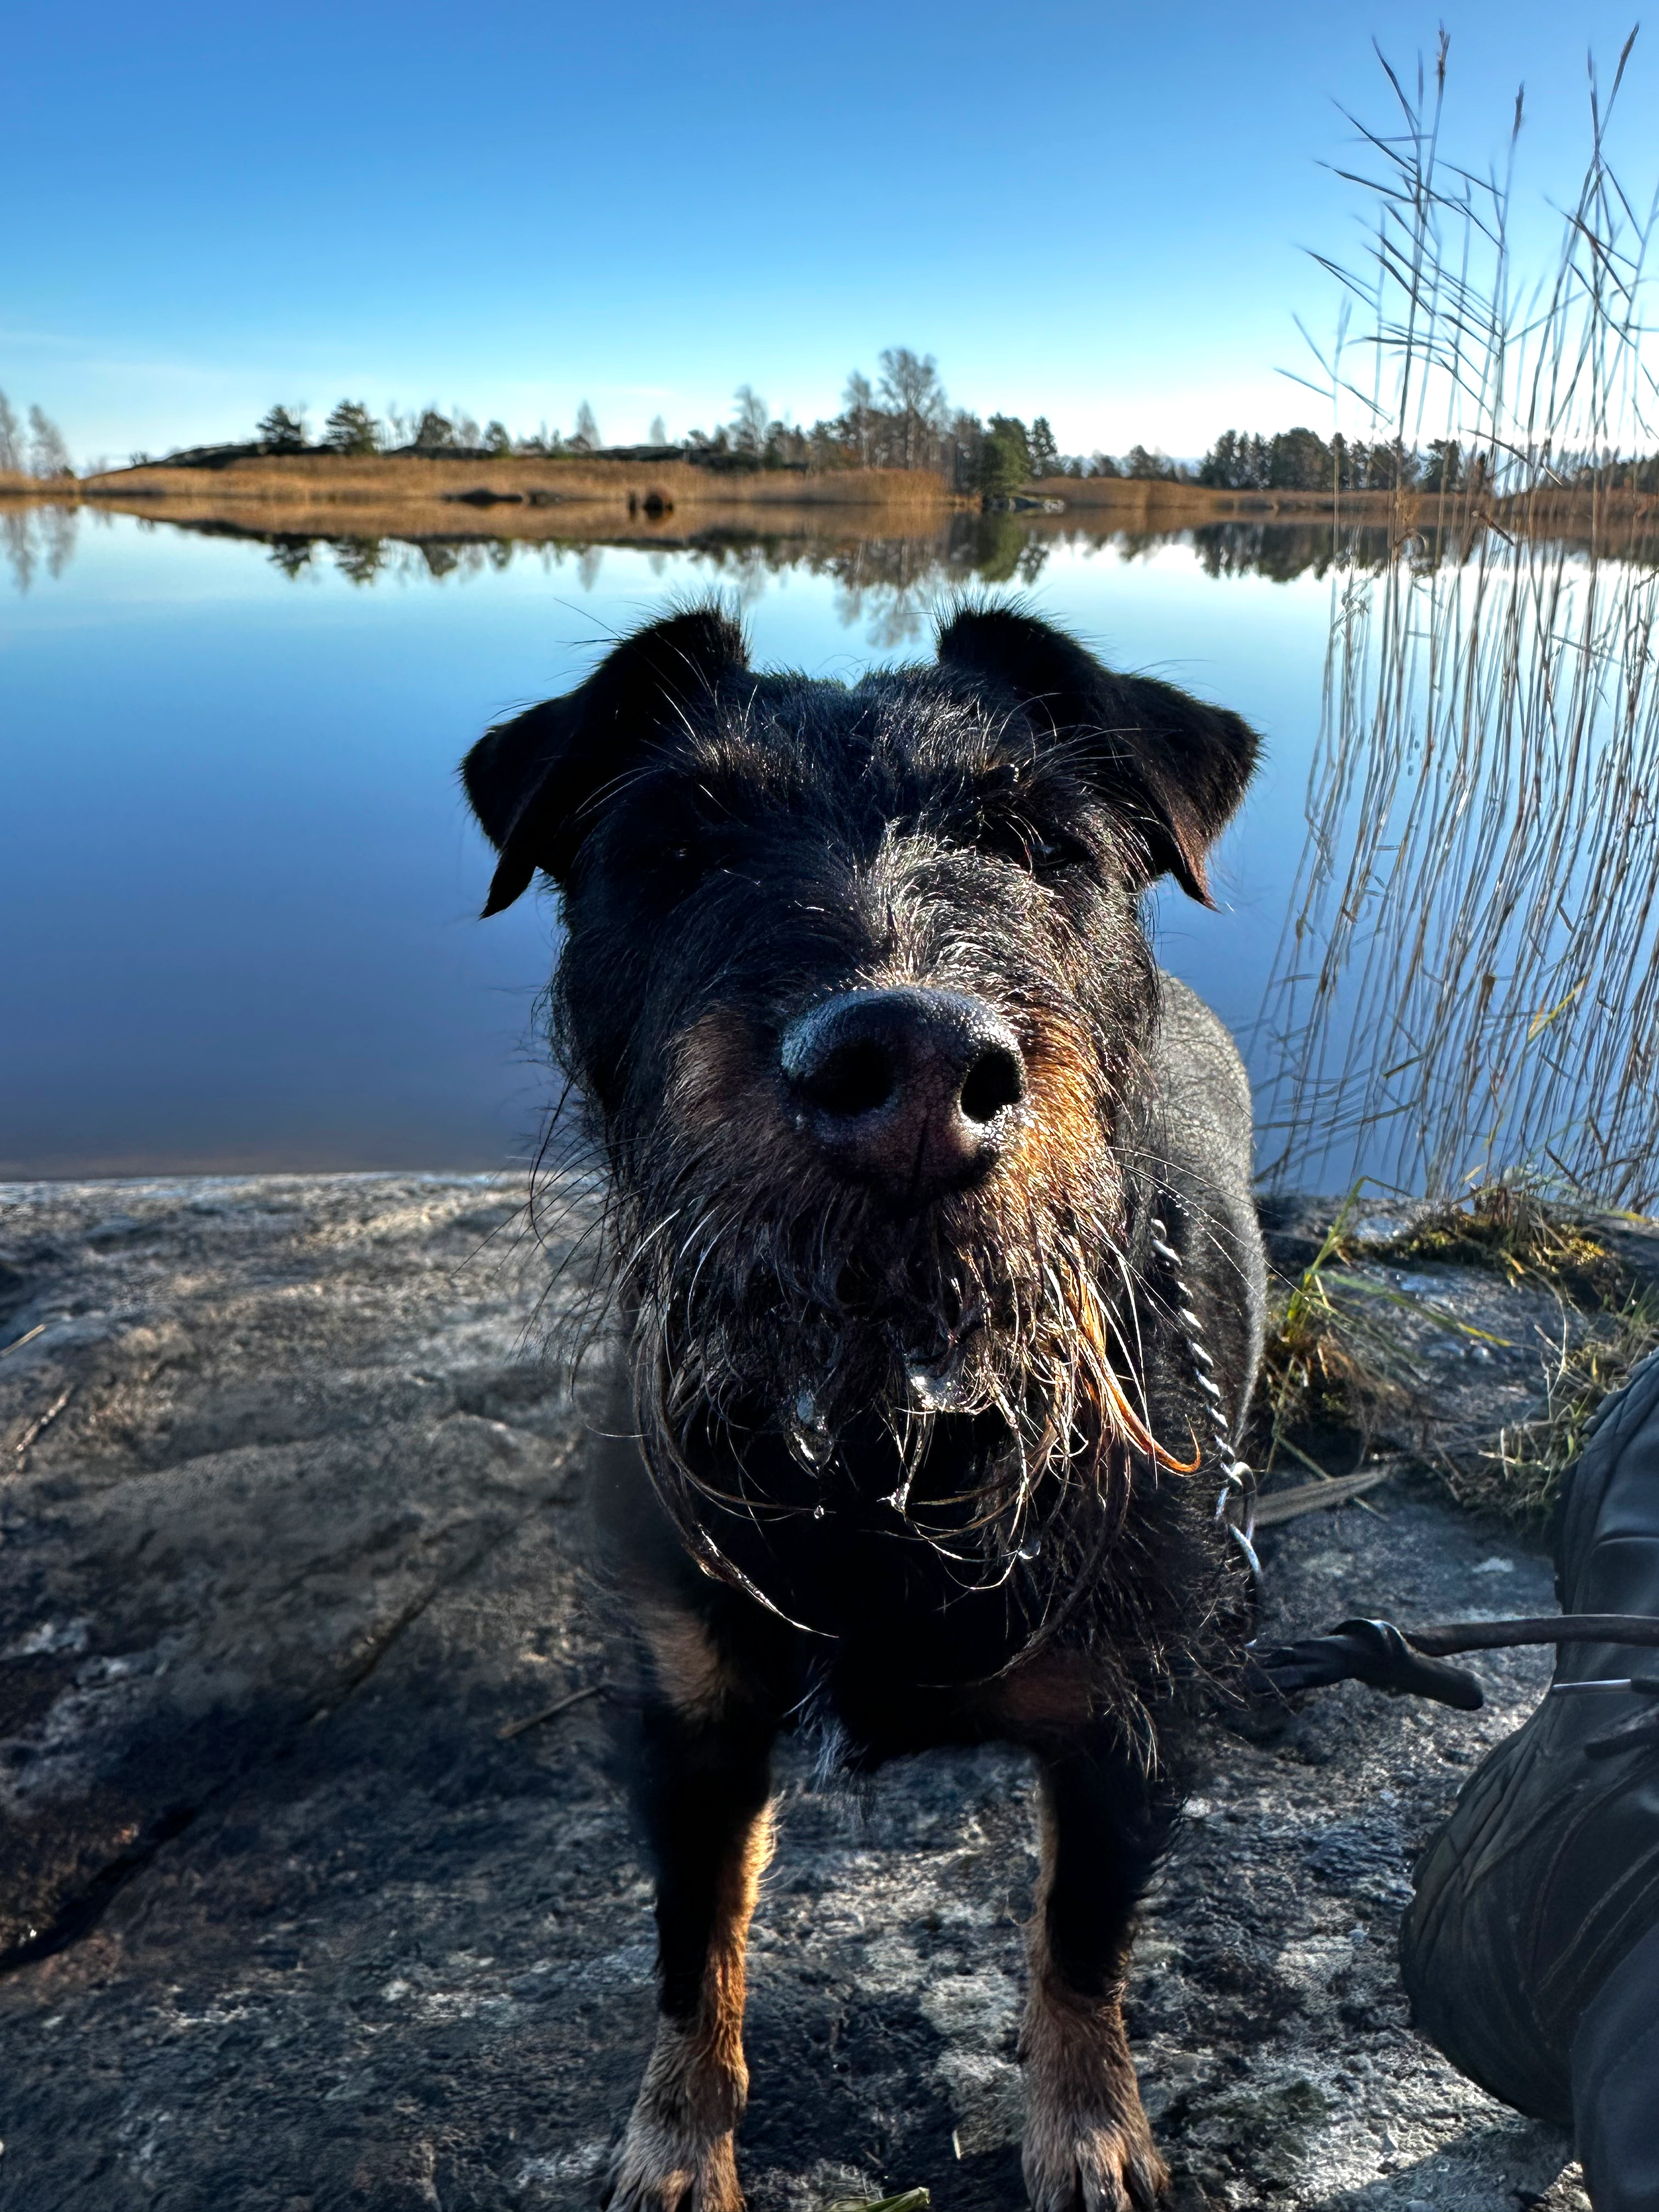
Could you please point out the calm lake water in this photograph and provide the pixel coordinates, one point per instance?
(237, 882)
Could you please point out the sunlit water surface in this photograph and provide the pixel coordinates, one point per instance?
(239, 887)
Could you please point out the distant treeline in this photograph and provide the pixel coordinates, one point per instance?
(903, 420)
(1301, 461)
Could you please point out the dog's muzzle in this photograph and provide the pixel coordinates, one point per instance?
(910, 1091)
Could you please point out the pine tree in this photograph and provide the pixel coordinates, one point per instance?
(1144, 467)
(1300, 460)
(1004, 459)
(352, 429)
(283, 432)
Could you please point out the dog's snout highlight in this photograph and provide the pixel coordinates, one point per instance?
(906, 1090)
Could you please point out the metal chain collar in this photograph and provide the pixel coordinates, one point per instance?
(1235, 1505)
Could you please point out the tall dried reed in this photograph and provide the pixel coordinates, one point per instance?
(1467, 985)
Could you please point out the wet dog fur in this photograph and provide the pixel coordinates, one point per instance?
(937, 1283)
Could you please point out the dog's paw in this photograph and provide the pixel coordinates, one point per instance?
(663, 2169)
(1085, 2163)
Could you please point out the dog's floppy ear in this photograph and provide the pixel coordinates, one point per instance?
(1174, 767)
(533, 781)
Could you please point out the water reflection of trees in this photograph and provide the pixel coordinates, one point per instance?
(37, 536)
(1282, 551)
(887, 583)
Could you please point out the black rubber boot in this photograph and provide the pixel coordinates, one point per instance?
(1531, 1949)
(1615, 2077)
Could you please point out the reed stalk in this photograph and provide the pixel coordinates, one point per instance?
(1467, 985)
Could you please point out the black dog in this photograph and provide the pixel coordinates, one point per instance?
(931, 1234)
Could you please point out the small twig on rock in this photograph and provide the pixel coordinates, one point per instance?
(1315, 1496)
(908, 2200)
(27, 1337)
(43, 1421)
(510, 1728)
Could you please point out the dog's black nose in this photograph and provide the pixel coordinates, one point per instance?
(906, 1090)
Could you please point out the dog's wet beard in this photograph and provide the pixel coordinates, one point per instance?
(968, 1369)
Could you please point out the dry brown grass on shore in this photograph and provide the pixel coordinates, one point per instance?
(1344, 1357)
(1511, 1230)
(392, 494)
(1570, 510)
(319, 482)
(314, 481)
(1518, 1233)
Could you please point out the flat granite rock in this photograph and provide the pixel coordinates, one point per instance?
(290, 1536)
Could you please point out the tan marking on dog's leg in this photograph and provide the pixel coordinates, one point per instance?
(1088, 2146)
(692, 1674)
(677, 2154)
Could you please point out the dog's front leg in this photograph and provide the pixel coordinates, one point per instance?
(1088, 2147)
(704, 1789)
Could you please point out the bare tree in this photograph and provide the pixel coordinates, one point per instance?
(859, 409)
(750, 418)
(658, 433)
(587, 437)
(48, 454)
(11, 438)
(910, 389)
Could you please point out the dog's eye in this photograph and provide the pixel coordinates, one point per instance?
(1005, 837)
(678, 864)
(1044, 852)
(1055, 850)
(678, 860)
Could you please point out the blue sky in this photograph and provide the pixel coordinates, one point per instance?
(1097, 212)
